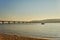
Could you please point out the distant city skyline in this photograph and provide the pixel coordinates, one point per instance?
(26, 10)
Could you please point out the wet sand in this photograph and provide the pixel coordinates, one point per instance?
(15, 37)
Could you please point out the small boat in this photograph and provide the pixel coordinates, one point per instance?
(42, 23)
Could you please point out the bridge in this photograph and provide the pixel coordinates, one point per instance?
(13, 22)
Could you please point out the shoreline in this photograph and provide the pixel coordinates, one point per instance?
(15, 37)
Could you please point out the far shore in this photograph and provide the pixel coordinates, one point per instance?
(15, 37)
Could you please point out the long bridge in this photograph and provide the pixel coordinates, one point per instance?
(18, 22)
(13, 22)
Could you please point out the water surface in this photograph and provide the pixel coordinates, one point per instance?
(34, 29)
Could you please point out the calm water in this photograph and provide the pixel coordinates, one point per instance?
(33, 29)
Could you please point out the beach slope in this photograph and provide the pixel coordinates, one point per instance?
(14, 37)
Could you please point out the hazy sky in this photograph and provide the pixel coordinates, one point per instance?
(29, 9)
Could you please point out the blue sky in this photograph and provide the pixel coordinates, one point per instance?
(29, 9)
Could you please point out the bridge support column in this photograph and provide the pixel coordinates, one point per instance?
(2, 22)
(18, 22)
(8, 22)
(14, 22)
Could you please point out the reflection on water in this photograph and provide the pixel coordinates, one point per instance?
(36, 29)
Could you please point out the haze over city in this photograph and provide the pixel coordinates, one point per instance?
(26, 10)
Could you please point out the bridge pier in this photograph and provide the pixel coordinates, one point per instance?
(2, 22)
(23, 22)
(14, 22)
(18, 22)
(8, 22)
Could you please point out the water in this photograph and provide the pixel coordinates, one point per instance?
(51, 30)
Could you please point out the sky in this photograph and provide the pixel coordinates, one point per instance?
(26, 10)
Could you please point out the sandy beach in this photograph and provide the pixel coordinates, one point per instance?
(15, 37)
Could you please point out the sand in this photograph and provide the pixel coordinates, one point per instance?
(15, 37)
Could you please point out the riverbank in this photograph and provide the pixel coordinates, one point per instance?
(15, 37)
